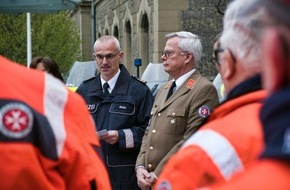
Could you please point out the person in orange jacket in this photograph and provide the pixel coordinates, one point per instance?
(232, 137)
(272, 169)
(47, 138)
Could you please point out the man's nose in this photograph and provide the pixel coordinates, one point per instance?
(163, 57)
(105, 59)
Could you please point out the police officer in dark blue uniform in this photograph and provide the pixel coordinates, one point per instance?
(120, 105)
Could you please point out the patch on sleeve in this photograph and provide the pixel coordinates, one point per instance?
(16, 120)
(164, 185)
(204, 111)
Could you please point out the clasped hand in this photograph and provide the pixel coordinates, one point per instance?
(145, 179)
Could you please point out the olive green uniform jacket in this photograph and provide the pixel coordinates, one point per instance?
(175, 119)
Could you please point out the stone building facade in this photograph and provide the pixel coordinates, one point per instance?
(140, 26)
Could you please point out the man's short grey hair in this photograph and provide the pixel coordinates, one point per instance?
(106, 38)
(188, 42)
(242, 31)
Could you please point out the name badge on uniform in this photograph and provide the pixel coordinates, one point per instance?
(122, 108)
(92, 107)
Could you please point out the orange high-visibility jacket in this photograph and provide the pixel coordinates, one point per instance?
(267, 174)
(230, 140)
(47, 136)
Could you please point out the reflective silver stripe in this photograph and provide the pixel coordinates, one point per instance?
(219, 149)
(129, 138)
(55, 99)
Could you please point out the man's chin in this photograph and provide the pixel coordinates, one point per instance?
(166, 69)
(105, 70)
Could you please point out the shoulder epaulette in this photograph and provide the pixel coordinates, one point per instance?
(138, 79)
(87, 80)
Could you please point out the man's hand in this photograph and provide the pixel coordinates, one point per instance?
(142, 174)
(112, 137)
(151, 178)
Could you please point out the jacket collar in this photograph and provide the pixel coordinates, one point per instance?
(250, 85)
(121, 86)
(183, 89)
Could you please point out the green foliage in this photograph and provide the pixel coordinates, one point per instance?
(13, 37)
(53, 35)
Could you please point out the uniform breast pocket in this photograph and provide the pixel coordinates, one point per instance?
(176, 121)
(122, 108)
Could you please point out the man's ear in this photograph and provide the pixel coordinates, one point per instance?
(121, 54)
(275, 63)
(228, 65)
(188, 58)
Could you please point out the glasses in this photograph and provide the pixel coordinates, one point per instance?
(109, 56)
(168, 53)
(216, 60)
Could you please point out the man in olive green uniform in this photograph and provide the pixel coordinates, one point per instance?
(175, 117)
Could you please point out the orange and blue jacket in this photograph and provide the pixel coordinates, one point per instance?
(47, 136)
(230, 140)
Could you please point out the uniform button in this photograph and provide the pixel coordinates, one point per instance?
(159, 114)
(151, 148)
(173, 114)
(149, 166)
(153, 131)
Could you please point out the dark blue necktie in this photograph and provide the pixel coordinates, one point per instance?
(106, 86)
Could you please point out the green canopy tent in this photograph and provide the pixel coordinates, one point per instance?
(35, 6)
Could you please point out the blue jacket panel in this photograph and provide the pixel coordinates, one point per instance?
(126, 109)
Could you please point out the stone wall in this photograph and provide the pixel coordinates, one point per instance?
(202, 17)
(140, 26)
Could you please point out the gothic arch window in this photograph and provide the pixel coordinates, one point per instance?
(128, 44)
(144, 39)
(116, 32)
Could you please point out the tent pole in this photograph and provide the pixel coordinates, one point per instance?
(93, 26)
(28, 15)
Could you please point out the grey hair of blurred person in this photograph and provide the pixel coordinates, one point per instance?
(273, 16)
(242, 32)
(188, 42)
(106, 38)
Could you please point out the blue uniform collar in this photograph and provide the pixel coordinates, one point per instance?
(250, 85)
(275, 117)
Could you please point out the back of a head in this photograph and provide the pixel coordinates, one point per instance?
(276, 77)
(49, 64)
(278, 15)
(279, 9)
(188, 42)
(242, 31)
(52, 67)
(276, 44)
